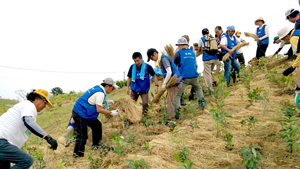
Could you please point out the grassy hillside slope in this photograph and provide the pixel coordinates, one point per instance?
(196, 131)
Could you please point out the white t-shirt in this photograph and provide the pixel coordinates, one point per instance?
(240, 50)
(224, 40)
(200, 44)
(97, 98)
(12, 127)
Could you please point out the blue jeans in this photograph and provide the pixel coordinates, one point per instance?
(11, 153)
(227, 67)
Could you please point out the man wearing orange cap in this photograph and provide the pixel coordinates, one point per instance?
(17, 124)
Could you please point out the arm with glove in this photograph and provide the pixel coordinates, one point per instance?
(32, 126)
(294, 43)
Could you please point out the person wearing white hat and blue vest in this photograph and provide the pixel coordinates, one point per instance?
(17, 124)
(186, 62)
(262, 33)
(86, 111)
(139, 81)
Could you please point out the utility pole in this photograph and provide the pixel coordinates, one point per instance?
(124, 75)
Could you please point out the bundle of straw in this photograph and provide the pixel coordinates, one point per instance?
(127, 109)
(237, 47)
(173, 80)
(169, 50)
(276, 63)
(252, 36)
(196, 49)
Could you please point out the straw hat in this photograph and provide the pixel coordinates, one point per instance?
(283, 32)
(259, 19)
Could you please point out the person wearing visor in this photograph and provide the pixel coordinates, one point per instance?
(262, 32)
(169, 70)
(86, 111)
(17, 124)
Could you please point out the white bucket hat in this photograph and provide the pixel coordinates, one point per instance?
(283, 32)
(259, 19)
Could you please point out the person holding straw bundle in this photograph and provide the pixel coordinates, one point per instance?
(169, 70)
(262, 32)
(186, 61)
(139, 81)
(229, 41)
(86, 111)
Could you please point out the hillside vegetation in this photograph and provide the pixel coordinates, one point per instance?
(258, 111)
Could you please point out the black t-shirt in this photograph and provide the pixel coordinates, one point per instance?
(149, 70)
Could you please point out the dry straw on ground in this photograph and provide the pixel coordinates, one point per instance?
(169, 50)
(128, 109)
(276, 63)
(237, 47)
(173, 80)
(252, 36)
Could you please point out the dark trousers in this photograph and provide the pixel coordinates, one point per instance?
(144, 97)
(12, 154)
(240, 58)
(82, 133)
(261, 51)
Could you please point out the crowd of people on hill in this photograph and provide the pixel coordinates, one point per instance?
(18, 122)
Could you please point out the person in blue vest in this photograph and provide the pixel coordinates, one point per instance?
(192, 96)
(186, 62)
(229, 41)
(262, 32)
(169, 70)
(86, 111)
(209, 61)
(292, 15)
(139, 81)
(71, 129)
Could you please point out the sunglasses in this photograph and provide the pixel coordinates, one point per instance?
(44, 100)
(230, 30)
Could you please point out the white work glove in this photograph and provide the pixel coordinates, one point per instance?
(163, 87)
(110, 101)
(114, 113)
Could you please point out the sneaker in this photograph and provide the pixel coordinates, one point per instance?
(228, 85)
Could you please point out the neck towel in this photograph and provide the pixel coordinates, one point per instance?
(105, 99)
(157, 63)
(142, 75)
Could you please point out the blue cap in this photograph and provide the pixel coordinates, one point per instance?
(230, 27)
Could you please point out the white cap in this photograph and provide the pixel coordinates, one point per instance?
(182, 41)
(110, 81)
(288, 12)
(283, 32)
